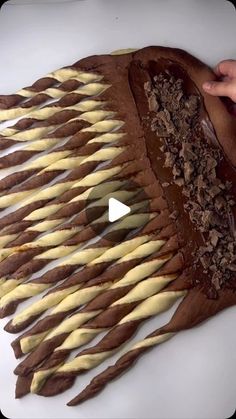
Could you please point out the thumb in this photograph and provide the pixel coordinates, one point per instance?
(219, 88)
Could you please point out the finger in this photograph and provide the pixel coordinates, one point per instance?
(218, 88)
(226, 68)
(226, 78)
(221, 88)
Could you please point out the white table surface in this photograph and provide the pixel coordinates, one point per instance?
(193, 375)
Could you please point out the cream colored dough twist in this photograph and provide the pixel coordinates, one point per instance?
(38, 97)
(121, 365)
(74, 336)
(65, 232)
(69, 133)
(54, 204)
(89, 180)
(145, 246)
(15, 197)
(93, 356)
(40, 330)
(83, 257)
(34, 287)
(104, 189)
(103, 155)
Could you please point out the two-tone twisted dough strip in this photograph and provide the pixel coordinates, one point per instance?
(194, 309)
(18, 220)
(69, 335)
(48, 330)
(52, 115)
(62, 149)
(60, 158)
(35, 141)
(9, 283)
(30, 187)
(139, 293)
(118, 309)
(115, 92)
(29, 239)
(67, 136)
(63, 377)
(66, 239)
(84, 295)
(64, 231)
(78, 259)
(71, 255)
(91, 204)
(29, 98)
(80, 186)
(13, 241)
(74, 282)
(11, 263)
(103, 155)
(49, 200)
(39, 229)
(33, 287)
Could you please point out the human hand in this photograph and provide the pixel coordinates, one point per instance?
(226, 86)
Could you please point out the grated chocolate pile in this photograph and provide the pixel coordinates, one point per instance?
(175, 117)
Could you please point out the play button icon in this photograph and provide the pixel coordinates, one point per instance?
(114, 209)
(117, 210)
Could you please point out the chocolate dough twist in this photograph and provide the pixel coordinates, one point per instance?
(10, 264)
(7, 266)
(11, 300)
(80, 180)
(68, 100)
(103, 122)
(67, 217)
(67, 210)
(63, 377)
(194, 309)
(117, 301)
(69, 187)
(103, 155)
(37, 209)
(72, 136)
(61, 232)
(31, 338)
(52, 115)
(9, 233)
(78, 259)
(27, 99)
(20, 193)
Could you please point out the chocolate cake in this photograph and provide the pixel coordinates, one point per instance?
(139, 127)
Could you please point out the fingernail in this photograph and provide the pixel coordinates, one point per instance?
(207, 85)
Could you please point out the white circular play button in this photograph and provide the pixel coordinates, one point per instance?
(114, 209)
(117, 210)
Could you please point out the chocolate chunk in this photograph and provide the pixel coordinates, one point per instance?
(188, 171)
(169, 159)
(179, 181)
(153, 104)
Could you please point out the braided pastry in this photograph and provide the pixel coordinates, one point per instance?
(137, 127)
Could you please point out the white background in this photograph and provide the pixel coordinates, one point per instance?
(193, 375)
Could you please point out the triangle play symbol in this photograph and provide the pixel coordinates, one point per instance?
(116, 209)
